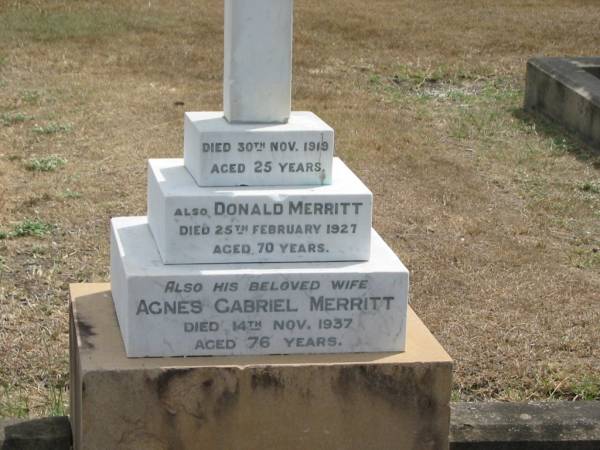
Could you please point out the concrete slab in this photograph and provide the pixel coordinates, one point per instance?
(567, 90)
(339, 401)
(44, 433)
(553, 425)
(557, 425)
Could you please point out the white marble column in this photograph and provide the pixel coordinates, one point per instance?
(258, 60)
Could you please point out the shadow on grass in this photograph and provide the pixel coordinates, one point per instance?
(562, 140)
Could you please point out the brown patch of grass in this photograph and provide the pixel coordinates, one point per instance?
(485, 205)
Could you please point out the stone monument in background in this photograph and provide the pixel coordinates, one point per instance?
(258, 242)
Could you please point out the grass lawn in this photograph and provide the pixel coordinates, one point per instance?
(495, 212)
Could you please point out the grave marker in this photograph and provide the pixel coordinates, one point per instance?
(257, 244)
(166, 286)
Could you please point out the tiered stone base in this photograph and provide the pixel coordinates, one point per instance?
(340, 401)
(194, 225)
(251, 309)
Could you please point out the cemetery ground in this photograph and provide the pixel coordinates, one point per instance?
(495, 212)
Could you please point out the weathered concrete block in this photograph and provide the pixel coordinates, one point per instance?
(568, 91)
(555, 425)
(341, 401)
(47, 433)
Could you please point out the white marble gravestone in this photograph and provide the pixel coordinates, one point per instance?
(256, 181)
(258, 241)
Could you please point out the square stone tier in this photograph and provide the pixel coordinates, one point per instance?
(193, 224)
(220, 153)
(251, 309)
(366, 401)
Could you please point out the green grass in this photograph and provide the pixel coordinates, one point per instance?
(557, 141)
(558, 386)
(7, 119)
(560, 145)
(74, 22)
(455, 395)
(38, 250)
(17, 405)
(587, 388)
(31, 96)
(591, 187)
(52, 128)
(478, 104)
(419, 76)
(13, 404)
(28, 227)
(444, 83)
(56, 404)
(45, 163)
(71, 194)
(586, 258)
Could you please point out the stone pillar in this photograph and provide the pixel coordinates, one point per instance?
(257, 85)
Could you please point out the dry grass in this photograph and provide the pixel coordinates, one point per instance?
(496, 213)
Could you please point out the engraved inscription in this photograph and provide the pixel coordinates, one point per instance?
(273, 313)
